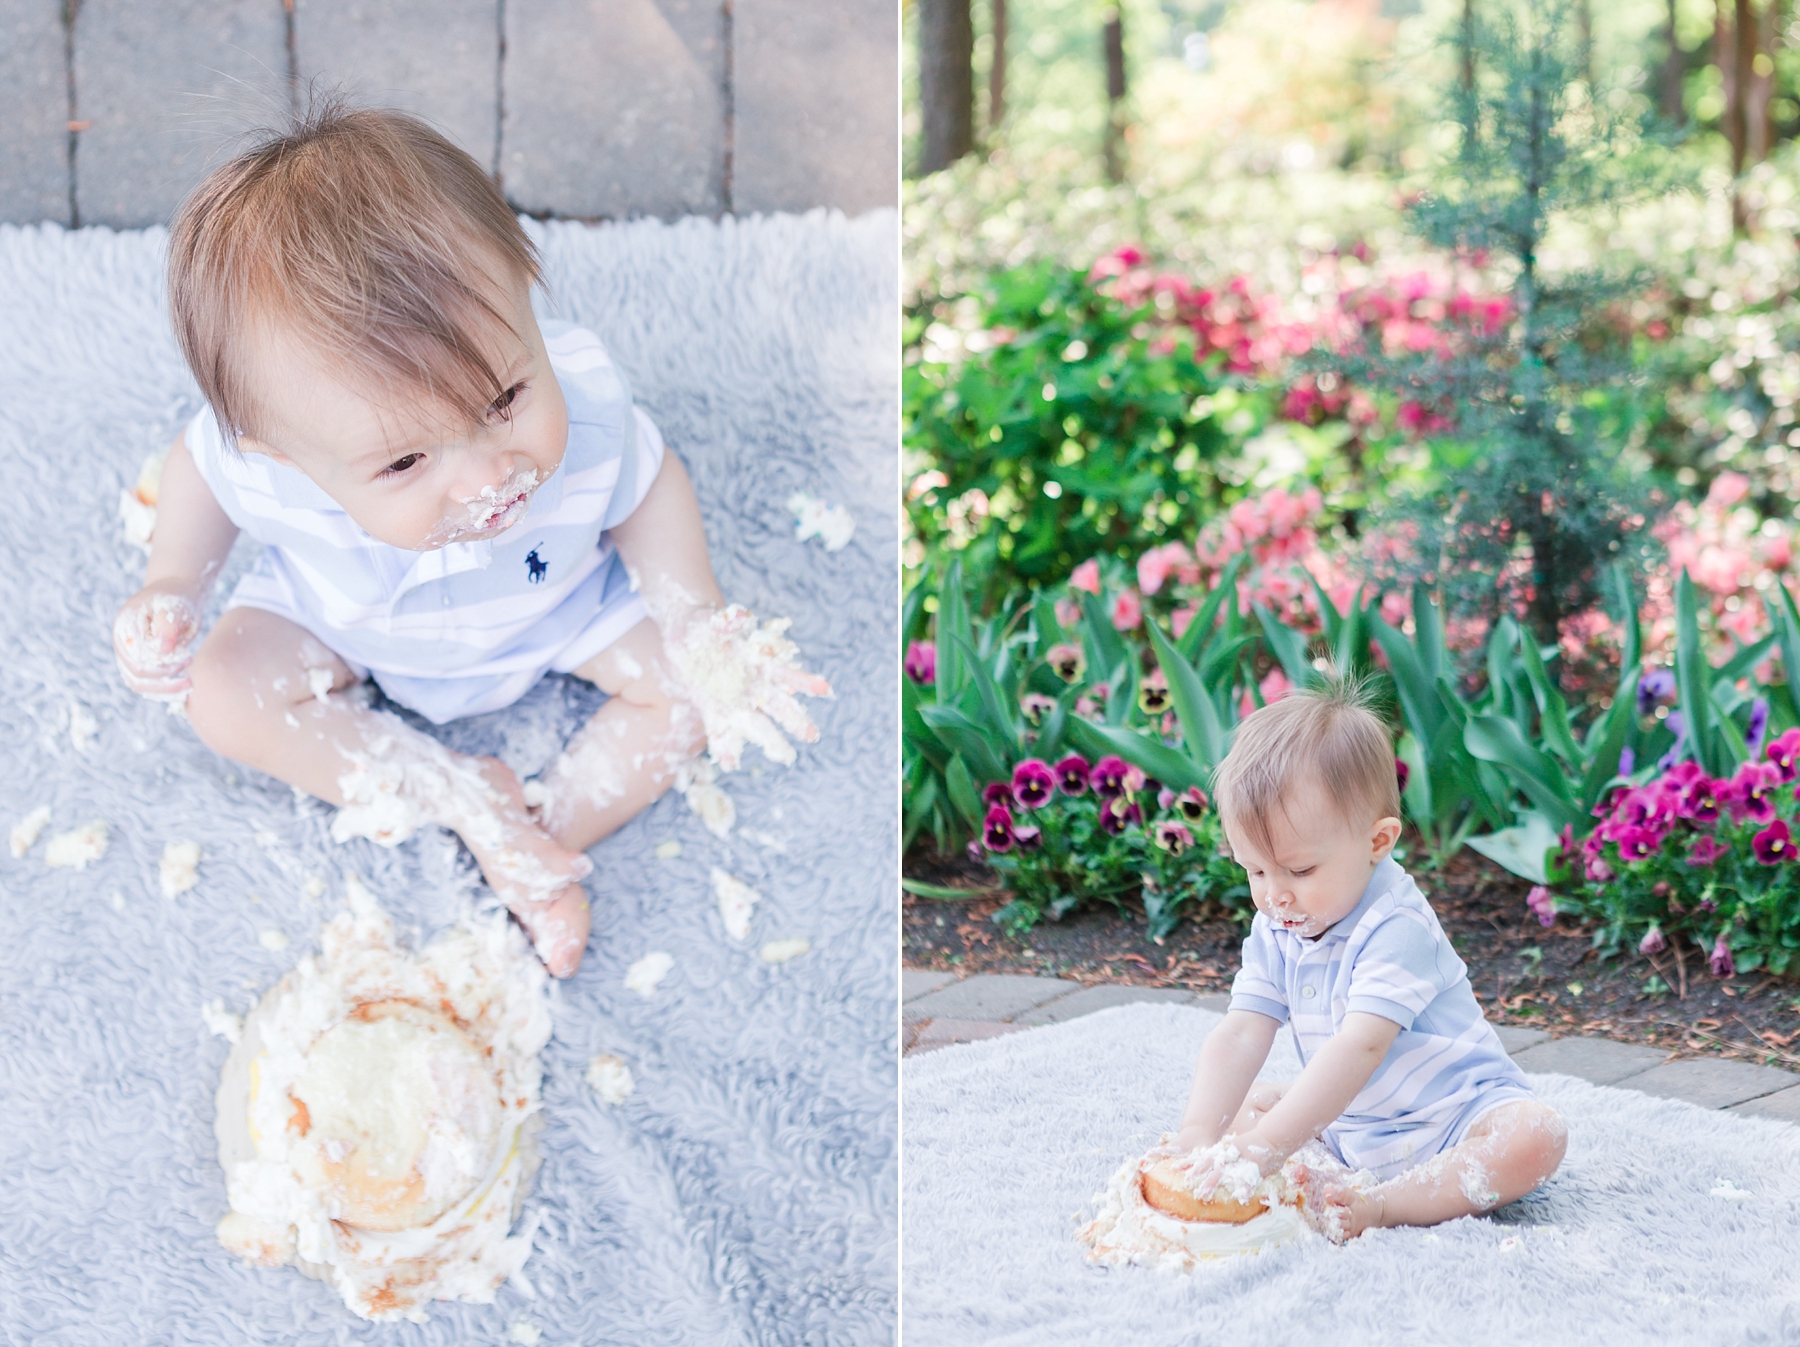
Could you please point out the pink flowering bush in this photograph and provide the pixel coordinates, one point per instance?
(1070, 832)
(1685, 856)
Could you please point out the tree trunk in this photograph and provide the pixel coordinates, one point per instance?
(1674, 72)
(997, 68)
(1115, 94)
(1584, 29)
(1465, 43)
(946, 82)
(1759, 119)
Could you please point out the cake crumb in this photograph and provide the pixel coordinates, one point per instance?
(221, 1023)
(180, 868)
(272, 940)
(813, 518)
(82, 726)
(668, 851)
(314, 888)
(77, 848)
(1728, 1190)
(736, 900)
(780, 951)
(610, 1078)
(25, 832)
(525, 1333)
(643, 975)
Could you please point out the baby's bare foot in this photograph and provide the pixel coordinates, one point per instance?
(535, 877)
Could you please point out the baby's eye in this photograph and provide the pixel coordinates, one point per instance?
(1302, 874)
(501, 405)
(400, 465)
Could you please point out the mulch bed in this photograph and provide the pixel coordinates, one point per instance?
(1523, 973)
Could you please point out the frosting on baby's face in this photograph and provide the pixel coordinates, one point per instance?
(405, 474)
(1316, 865)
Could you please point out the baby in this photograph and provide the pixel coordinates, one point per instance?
(1403, 1076)
(453, 500)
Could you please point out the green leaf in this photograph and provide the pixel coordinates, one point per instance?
(1155, 758)
(1607, 741)
(1000, 726)
(1787, 631)
(939, 891)
(1693, 680)
(1414, 683)
(1522, 849)
(1199, 631)
(963, 736)
(1288, 646)
(1628, 619)
(1105, 646)
(1049, 631)
(1497, 740)
(1428, 632)
(952, 628)
(963, 793)
(1200, 728)
(1418, 778)
(1553, 712)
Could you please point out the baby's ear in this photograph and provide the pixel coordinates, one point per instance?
(1382, 838)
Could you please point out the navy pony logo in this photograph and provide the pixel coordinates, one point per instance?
(538, 568)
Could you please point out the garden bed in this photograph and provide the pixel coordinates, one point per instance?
(1523, 973)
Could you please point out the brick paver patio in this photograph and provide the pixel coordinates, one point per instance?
(938, 1010)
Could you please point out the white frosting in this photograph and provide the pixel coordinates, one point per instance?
(698, 783)
(78, 848)
(830, 524)
(82, 726)
(221, 1023)
(368, 1070)
(643, 975)
(26, 831)
(491, 511)
(137, 505)
(525, 1333)
(1127, 1229)
(736, 901)
(668, 850)
(272, 940)
(780, 951)
(610, 1078)
(179, 869)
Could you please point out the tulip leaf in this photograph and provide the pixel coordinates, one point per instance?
(1413, 683)
(1787, 630)
(999, 724)
(1121, 690)
(1497, 739)
(1692, 679)
(914, 728)
(1746, 658)
(1428, 631)
(1553, 712)
(963, 794)
(913, 617)
(1627, 619)
(1607, 742)
(1523, 849)
(1192, 641)
(1048, 630)
(964, 737)
(1200, 729)
(952, 627)
(1417, 794)
(1288, 646)
(1105, 646)
(1154, 757)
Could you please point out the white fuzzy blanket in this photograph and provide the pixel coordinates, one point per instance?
(746, 1193)
(1007, 1141)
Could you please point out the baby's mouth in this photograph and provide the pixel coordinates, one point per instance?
(498, 515)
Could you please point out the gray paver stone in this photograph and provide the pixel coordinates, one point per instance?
(34, 113)
(1515, 1039)
(1783, 1104)
(942, 1033)
(918, 981)
(1597, 1059)
(1712, 1083)
(816, 105)
(438, 61)
(168, 89)
(1089, 999)
(991, 996)
(614, 107)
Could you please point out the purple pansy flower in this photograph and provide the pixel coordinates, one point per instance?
(1677, 727)
(1773, 844)
(1036, 706)
(1033, 783)
(1699, 799)
(1759, 724)
(1653, 941)
(1627, 761)
(1173, 837)
(1542, 905)
(1598, 871)
(998, 792)
(921, 661)
(1721, 962)
(1072, 775)
(1118, 814)
(1108, 777)
(997, 830)
(1654, 687)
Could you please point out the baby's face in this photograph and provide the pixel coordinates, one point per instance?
(408, 478)
(1309, 880)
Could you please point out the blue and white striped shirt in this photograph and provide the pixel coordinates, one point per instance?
(1388, 957)
(468, 627)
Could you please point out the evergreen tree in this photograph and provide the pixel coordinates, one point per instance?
(1531, 500)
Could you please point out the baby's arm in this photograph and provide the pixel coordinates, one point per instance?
(157, 629)
(663, 544)
(1229, 1060)
(1324, 1090)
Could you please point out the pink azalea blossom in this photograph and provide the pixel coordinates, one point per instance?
(1127, 610)
(921, 662)
(1068, 612)
(1086, 576)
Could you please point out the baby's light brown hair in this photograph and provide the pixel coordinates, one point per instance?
(366, 236)
(1330, 733)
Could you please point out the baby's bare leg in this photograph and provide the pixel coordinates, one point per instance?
(263, 695)
(626, 756)
(1505, 1155)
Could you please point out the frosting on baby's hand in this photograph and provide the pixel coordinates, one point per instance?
(154, 636)
(742, 678)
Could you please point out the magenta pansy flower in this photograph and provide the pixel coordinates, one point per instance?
(1773, 844)
(1116, 815)
(1542, 905)
(998, 792)
(1028, 838)
(997, 829)
(1653, 941)
(1402, 772)
(1072, 775)
(1598, 870)
(1108, 777)
(1700, 799)
(1750, 793)
(1033, 783)
(1783, 754)
(1636, 844)
(921, 662)
(1721, 962)
(1705, 851)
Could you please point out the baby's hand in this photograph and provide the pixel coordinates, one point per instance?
(1225, 1164)
(154, 636)
(742, 679)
